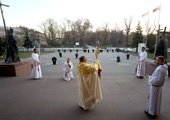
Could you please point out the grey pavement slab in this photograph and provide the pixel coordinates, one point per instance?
(52, 98)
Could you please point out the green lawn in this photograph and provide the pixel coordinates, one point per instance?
(25, 54)
(28, 54)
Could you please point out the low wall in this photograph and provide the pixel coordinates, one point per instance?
(15, 69)
(150, 67)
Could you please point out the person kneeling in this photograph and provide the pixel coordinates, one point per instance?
(68, 67)
(118, 58)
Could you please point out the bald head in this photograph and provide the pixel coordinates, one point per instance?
(68, 60)
(160, 60)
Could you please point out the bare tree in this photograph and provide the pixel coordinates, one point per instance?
(73, 32)
(106, 34)
(43, 27)
(117, 36)
(150, 28)
(51, 31)
(63, 30)
(99, 35)
(68, 32)
(82, 26)
(128, 28)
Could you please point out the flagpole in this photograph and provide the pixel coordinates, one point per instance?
(158, 24)
(159, 15)
(146, 23)
(157, 35)
(147, 32)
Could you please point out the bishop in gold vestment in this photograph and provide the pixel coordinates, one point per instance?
(89, 90)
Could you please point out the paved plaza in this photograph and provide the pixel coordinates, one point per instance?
(52, 98)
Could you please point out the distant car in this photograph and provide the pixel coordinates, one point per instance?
(128, 49)
(42, 49)
(119, 50)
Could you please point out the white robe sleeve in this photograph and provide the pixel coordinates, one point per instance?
(35, 58)
(64, 67)
(157, 78)
(71, 68)
(143, 56)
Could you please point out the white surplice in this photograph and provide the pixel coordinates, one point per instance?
(141, 64)
(68, 71)
(89, 90)
(36, 68)
(156, 81)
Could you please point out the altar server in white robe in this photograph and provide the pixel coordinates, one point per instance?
(68, 70)
(141, 63)
(36, 68)
(89, 90)
(156, 81)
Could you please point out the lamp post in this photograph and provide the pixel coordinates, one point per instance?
(127, 37)
(38, 40)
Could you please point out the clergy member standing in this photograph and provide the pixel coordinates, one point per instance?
(141, 63)
(89, 90)
(68, 70)
(156, 81)
(36, 68)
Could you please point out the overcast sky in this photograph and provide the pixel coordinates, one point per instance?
(31, 13)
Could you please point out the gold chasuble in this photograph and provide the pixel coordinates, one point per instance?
(89, 91)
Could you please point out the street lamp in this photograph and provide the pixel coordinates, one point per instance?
(127, 36)
(39, 44)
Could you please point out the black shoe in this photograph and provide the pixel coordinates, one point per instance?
(149, 115)
(146, 112)
(83, 108)
(140, 77)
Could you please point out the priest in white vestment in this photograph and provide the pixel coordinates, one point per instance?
(140, 73)
(156, 81)
(68, 70)
(89, 90)
(36, 68)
